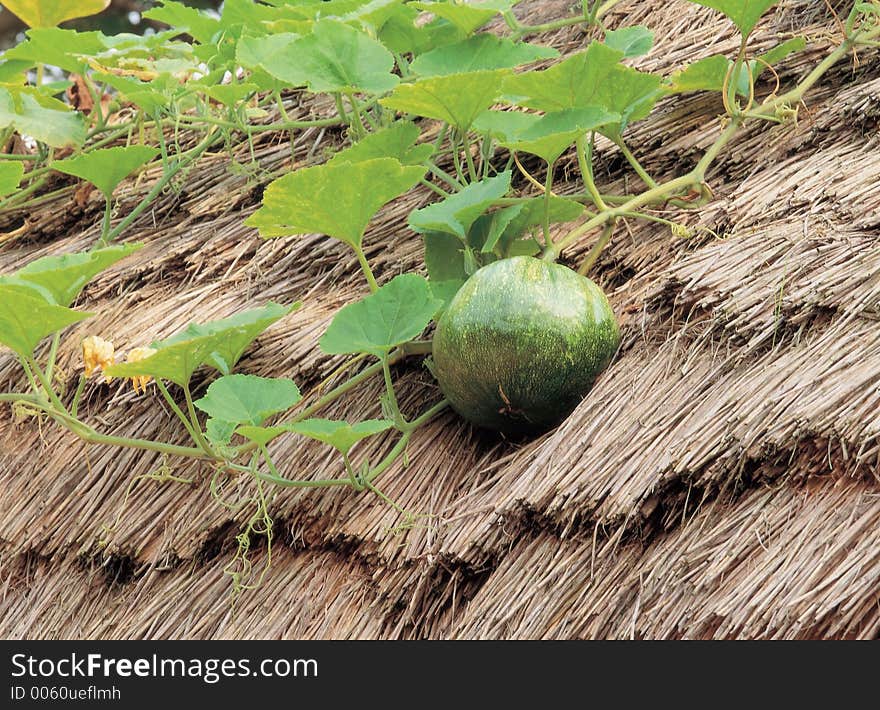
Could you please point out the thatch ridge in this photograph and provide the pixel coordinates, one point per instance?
(744, 395)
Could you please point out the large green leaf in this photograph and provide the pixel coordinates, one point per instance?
(554, 132)
(744, 13)
(26, 318)
(342, 436)
(398, 312)
(395, 141)
(456, 213)
(11, 172)
(48, 120)
(405, 33)
(592, 78)
(237, 333)
(479, 53)
(466, 16)
(532, 214)
(333, 57)
(176, 362)
(66, 49)
(709, 73)
(199, 25)
(48, 13)
(107, 167)
(457, 98)
(632, 41)
(248, 399)
(59, 279)
(338, 200)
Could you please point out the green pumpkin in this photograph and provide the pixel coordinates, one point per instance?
(521, 344)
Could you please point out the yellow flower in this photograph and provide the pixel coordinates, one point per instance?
(97, 353)
(136, 355)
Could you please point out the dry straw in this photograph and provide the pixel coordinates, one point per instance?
(721, 480)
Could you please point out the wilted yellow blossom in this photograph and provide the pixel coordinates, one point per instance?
(136, 355)
(97, 353)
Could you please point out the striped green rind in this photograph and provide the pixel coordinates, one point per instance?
(521, 344)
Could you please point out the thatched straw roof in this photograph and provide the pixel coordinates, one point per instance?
(721, 480)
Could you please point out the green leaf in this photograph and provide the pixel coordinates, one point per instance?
(46, 119)
(776, 55)
(174, 362)
(592, 78)
(444, 257)
(333, 58)
(457, 98)
(456, 213)
(504, 125)
(107, 167)
(199, 25)
(236, 333)
(705, 74)
(11, 173)
(708, 74)
(480, 53)
(395, 141)
(444, 292)
(404, 33)
(260, 435)
(66, 49)
(248, 399)
(59, 279)
(342, 436)
(532, 215)
(467, 17)
(632, 41)
(229, 94)
(48, 13)
(219, 432)
(12, 71)
(26, 318)
(142, 94)
(489, 228)
(552, 134)
(336, 200)
(395, 314)
(744, 13)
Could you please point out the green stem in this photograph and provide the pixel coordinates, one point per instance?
(466, 144)
(86, 433)
(399, 420)
(456, 159)
(177, 411)
(53, 353)
(262, 127)
(166, 178)
(548, 187)
(631, 159)
(365, 267)
(585, 163)
(434, 188)
(443, 175)
(359, 126)
(80, 388)
(274, 477)
(194, 419)
(400, 447)
(105, 223)
(604, 238)
(47, 385)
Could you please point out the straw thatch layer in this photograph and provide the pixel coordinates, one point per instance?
(720, 480)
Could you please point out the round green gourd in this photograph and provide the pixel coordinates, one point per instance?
(521, 344)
